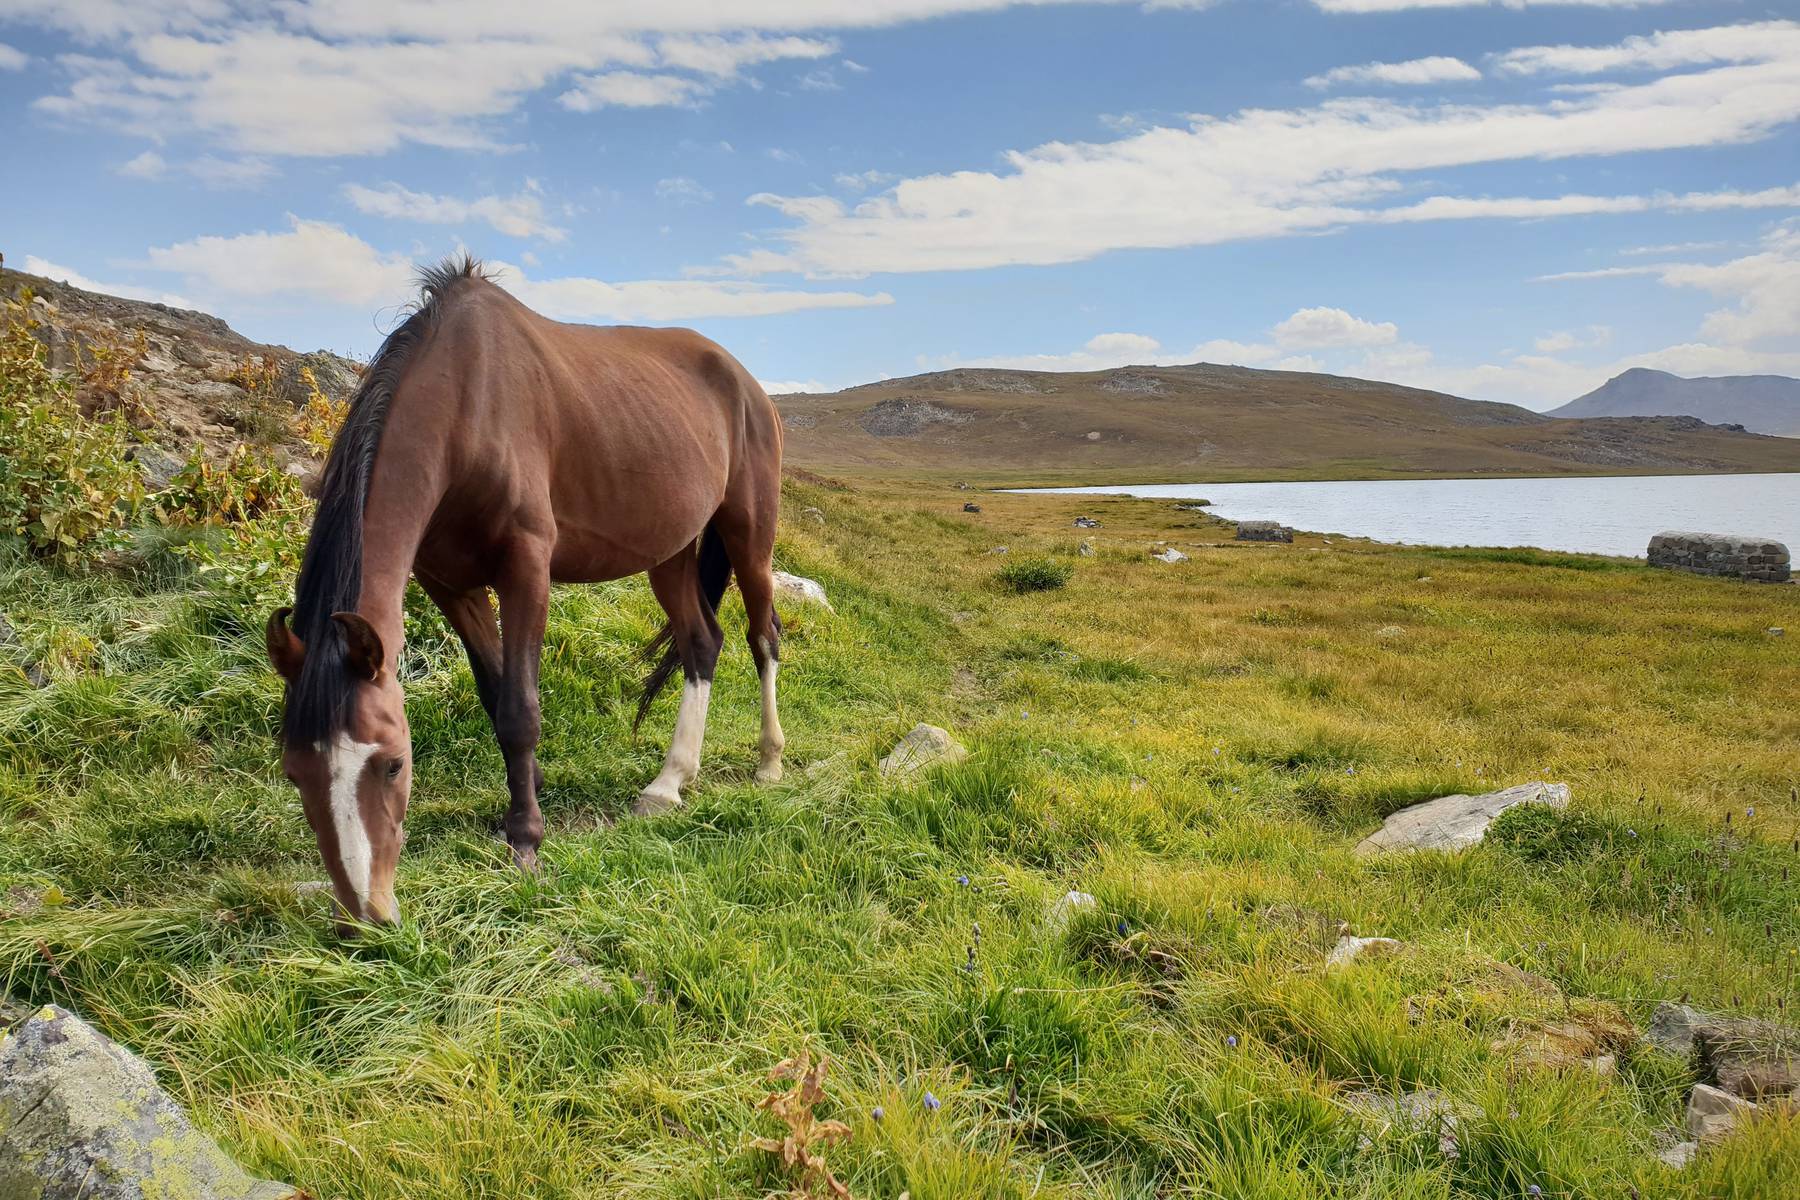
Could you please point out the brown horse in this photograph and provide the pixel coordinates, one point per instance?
(490, 447)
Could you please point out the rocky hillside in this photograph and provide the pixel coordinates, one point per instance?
(1229, 422)
(189, 379)
(1760, 403)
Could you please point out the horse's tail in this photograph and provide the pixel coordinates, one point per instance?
(714, 576)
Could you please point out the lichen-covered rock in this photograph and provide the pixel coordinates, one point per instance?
(802, 589)
(1713, 1113)
(1747, 1057)
(81, 1118)
(924, 746)
(1456, 822)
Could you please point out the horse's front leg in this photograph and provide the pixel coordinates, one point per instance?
(524, 592)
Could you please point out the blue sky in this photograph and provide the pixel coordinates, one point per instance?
(1506, 199)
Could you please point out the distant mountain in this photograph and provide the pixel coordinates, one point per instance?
(1221, 423)
(1760, 403)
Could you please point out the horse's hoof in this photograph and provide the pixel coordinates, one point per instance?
(654, 801)
(769, 773)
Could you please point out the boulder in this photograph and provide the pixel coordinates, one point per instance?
(336, 377)
(1086, 523)
(1263, 531)
(1749, 1058)
(1085, 550)
(801, 589)
(1712, 1113)
(814, 514)
(972, 507)
(157, 465)
(1679, 1155)
(924, 746)
(1348, 949)
(82, 1117)
(1424, 1108)
(1067, 905)
(1169, 555)
(1456, 822)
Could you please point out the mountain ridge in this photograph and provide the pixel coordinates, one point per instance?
(1760, 403)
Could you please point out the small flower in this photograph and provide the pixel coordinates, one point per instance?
(1231, 1041)
(1534, 1190)
(1631, 832)
(1123, 928)
(1751, 811)
(1024, 712)
(878, 1112)
(962, 881)
(932, 1103)
(1349, 770)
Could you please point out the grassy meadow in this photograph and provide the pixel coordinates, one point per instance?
(1198, 745)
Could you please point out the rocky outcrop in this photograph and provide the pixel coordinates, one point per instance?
(924, 746)
(901, 418)
(1761, 560)
(81, 1118)
(1750, 1058)
(1456, 822)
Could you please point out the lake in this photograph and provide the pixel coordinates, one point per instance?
(1613, 515)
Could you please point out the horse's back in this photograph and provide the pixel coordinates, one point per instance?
(622, 440)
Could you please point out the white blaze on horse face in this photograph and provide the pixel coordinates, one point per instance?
(347, 759)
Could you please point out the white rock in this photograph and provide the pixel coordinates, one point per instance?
(1713, 1113)
(802, 589)
(1067, 905)
(1086, 550)
(1349, 948)
(925, 746)
(1678, 1155)
(1390, 631)
(1171, 555)
(1456, 822)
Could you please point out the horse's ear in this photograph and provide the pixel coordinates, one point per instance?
(286, 652)
(362, 645)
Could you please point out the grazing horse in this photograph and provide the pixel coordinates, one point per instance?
(490, 447)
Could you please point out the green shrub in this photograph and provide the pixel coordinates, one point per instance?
(1034, 575)
(67, 487)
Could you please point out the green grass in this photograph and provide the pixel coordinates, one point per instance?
(1198, 745)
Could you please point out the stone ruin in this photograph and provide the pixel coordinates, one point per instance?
(1263, 531)
(1758, 559)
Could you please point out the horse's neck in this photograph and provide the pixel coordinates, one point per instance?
(393, 526)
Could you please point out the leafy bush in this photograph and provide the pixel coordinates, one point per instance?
(67, 487)
(320, 417)
(1034, 575)
(247, 486)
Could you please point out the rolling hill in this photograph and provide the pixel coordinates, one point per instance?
(1223, 423)
(1760, 403)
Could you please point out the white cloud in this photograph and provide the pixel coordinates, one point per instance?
(789, 387)
(583, 298)
(131, 291)
(1436, 69)
(1758, 42)
(682, 190)
(1573, 339)
(1390, 6)
(629, 89)
(858, 181)
(520, 215)
(211, 170)
(148, 165)
(1321, 328)
(312, 258)
(1267, 173)
(321, 261)
(12, 58)
(336, 77)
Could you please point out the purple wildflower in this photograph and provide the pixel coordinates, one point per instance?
(962, 881)
(1231, 1041)
(878, 1112)
(932, 1103)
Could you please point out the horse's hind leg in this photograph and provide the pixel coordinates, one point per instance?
(750, 544)
(698, 639)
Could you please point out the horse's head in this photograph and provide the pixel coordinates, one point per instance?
(354, 782)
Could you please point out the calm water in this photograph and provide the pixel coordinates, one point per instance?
(1591, 516)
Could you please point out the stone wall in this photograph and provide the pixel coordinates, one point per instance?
(1720, 554)
(1263, 531)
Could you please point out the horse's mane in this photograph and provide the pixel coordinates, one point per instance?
(318, 698)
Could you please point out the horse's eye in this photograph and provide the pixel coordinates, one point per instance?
(393, 769)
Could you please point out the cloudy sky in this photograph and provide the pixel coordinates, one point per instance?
(1506, 199)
